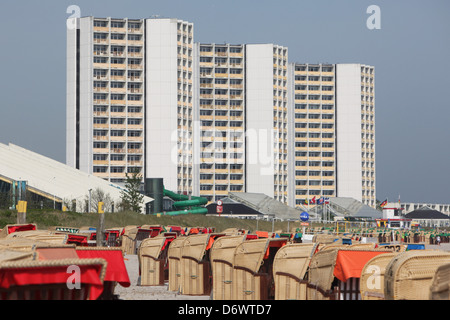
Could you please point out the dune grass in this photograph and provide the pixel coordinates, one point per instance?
(50, 218)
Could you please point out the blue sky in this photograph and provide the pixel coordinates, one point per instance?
(411, 55)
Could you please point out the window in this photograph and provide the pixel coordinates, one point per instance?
(100, 60)
(134, 37)
(100, 96)
(99, 169)
(117, 24)
(100, 157)
(134, 133)
(100, 108)
(134, 97)
(100, 133)
(116, 96)
(117, 60)
(102, 24)
(117, 157)
(117, 84)
(134, 109)
(100, 73)
(117, 133)
(100, 120)
(132, 49)
(100, 145)
(134, 25)
(134, 121)
(117, 120)
(100, 84)
(132, 145)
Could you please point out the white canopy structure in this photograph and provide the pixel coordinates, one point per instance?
(52, 179)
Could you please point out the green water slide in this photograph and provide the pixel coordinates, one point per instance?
(182, 202)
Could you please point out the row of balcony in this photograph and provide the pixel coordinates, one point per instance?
(119, 30)
(118, 163)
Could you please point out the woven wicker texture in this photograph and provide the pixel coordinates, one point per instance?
(249, 254)
(128, 239)
(46, 291)
(322, 267)
(174, 260)
(440, 285)
(372, 277)
(249, 282)
(6, 229)
(151, 266)
(192, 264)
(7, 255)
(409, 275)
(289, 267)
(22, 244)
(222, 256)
(40, 235)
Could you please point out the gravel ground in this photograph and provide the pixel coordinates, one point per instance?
(135, 292)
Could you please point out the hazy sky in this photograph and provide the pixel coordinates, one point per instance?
(411, 55)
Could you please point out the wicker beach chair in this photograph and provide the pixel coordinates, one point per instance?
(409, 275)
(195, 262)
(174, 261)
(252, 269)
(222, 256)
(52, 279)
(129, 239)
(320, 275)
(372, 277)
(289, 269)
(152, 255)
(335, 274)
(440, 285)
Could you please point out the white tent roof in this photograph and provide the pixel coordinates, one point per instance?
(53, 178)
(266, 205)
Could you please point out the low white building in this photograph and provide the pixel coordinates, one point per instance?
(54, 180)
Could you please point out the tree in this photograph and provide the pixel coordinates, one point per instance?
(132, 198)
(98, 195)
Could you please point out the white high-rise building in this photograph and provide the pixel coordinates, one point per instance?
(216, 118)
(355, 132)
(266, 120)
(129, 98)
(333, 133)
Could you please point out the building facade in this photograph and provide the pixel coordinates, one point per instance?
(333, 132)
(221, 106)
(129, 91)
(216, 118)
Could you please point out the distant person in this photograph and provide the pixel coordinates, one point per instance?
(438, 240)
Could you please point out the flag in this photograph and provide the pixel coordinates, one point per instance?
(383, 203)
(320, 201)
(313, 200)
(326, 200)
(398, 199)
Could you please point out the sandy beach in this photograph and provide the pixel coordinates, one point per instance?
(135, 292)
